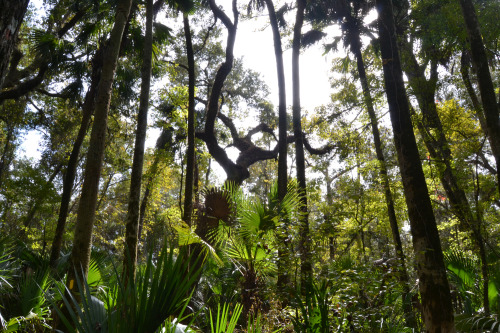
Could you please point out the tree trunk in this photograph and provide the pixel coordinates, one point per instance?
(235, 173)
(486, 89)
(190, 158)
(69, 176)
(437, 144)
(283, 278)
(132, 226)
(438, 148)
(304, 247)
(464, 70)
(80, 255)
(11, 17)
(391, 212)
(434, 289)
(7, 152)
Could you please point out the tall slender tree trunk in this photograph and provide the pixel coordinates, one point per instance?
(190, 158)
(80, 255)
(438, 148)
(431, 130)
(132, 226)
(70, 174)
(476, 105)
(304, 245)
(283, 278)
(11, 17)
(391, 212)
(434, 289)
(7, 151)
(486, 88)
(328, 215)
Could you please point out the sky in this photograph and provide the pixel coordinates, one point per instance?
(254, 43)
(256, 47)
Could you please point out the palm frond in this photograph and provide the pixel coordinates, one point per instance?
(465, 267)
(187, 236)
(7, 269)
(477, 323)
(161, 290)
(32, 290)
(223, 323)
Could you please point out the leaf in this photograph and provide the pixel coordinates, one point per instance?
(162, 34)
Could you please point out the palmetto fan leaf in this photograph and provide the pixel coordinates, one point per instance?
(161, 289)
(32, 291)
(464, 272)
(48, 47)
(464, 267)
(7, 270)
(187, 236)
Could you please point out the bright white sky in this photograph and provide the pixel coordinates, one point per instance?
(256, 47)
(254, 43)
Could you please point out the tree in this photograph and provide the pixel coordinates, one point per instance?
(306, 269)
(431, 130)
(282, 123)
(191, 153)
(486, 89)
(132, 224)
(71, 167)
(10, 23)
(82, 242)
(433, 285)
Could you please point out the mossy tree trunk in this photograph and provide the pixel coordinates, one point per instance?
(434, 289)
(133, 213)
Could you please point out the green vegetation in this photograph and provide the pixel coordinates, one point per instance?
(375, 212)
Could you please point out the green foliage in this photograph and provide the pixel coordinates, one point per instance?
(226, 319)
(160, 291)
(25, 280)
(353, 297)
(349, 226)
(464, 272)
(314, 310)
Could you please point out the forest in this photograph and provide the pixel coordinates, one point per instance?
(177, 191)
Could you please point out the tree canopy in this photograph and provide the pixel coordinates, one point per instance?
(179, 189)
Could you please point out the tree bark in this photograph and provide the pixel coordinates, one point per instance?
(69, 176)
(80, 255)
(486, 88)
(434, 289)
(132, 226)
(391, 212)
(190, 158)
(234, 172)
(431, 130)
(476, 105)
(7, 152)
(283, 278)
(304, 247)
(11, 17)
